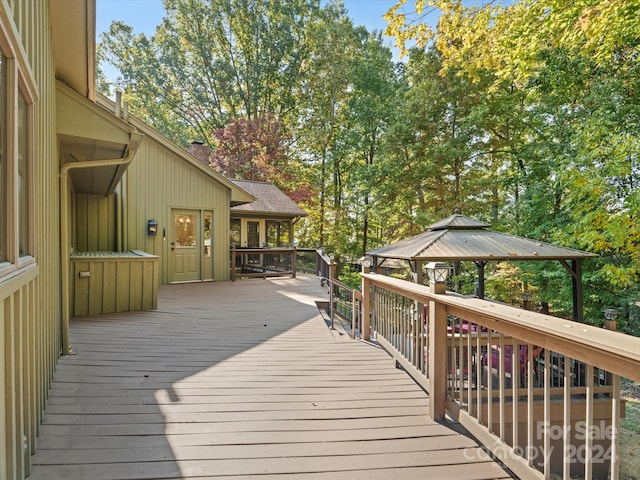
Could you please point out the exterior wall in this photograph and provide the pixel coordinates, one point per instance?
(94, 221)
(158, 180)
(30, 296)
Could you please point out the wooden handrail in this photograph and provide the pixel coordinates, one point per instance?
(447, 343)
(610, 350)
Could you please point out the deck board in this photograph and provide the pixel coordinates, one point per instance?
(236, 381)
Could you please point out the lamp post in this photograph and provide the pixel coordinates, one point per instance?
(367, 263)
(526, 300)
(437, 273)
(610, 316)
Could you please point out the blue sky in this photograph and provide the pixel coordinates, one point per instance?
(145, 15)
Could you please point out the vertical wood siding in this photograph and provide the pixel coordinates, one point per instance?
(117, 284)
(159, 180)
(156, 181)
(30, 300)
(95, 220)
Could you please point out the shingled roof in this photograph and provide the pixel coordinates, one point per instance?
(269, 200)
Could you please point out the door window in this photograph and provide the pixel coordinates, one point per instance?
(185, 228)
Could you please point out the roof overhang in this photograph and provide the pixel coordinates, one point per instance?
(73, 25)
(92, 142)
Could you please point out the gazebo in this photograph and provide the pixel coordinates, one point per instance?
(459, 238)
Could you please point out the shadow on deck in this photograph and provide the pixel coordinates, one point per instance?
(240, 380)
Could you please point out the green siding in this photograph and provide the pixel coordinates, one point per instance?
(117, 283)
(95, 223)
(30, 300)
(157, 181)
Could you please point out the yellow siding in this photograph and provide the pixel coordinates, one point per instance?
(159, 180)
(30, 300)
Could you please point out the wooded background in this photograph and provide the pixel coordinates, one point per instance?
(525, 116)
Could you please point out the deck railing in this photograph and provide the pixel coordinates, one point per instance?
(263, 262)
(541, 393)
(346, 303)
(307, 260)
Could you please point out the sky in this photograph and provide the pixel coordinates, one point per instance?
(145, 15)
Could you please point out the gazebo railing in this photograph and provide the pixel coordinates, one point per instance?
(541, 393)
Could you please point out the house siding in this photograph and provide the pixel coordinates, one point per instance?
(159, 180)
(30, 313)
(94, 223)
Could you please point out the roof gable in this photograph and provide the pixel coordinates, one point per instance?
(269, 200)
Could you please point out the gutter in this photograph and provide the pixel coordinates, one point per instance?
(65, 247)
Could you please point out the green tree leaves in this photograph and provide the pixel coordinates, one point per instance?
(526, 116)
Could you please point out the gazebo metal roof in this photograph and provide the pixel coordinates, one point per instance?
(461, 238)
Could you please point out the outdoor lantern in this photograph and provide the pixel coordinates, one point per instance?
(610, 315)
(366, 263)
(437, 272)
(526, 300)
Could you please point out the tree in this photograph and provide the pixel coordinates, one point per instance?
(258, 149)
(375, 92)
(213, 61)
(507, 40)
(325, 95)
(574, 164)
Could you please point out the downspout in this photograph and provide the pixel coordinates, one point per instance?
(65, 246)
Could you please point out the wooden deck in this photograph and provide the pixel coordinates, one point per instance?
(235, 381)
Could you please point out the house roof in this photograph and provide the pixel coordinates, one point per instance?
(269, 200)
(462, 238)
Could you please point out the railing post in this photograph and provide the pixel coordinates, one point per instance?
(332, 275)
(354, 312)
(437, 354)
(366, 308)
(233, 263)
(295, 261)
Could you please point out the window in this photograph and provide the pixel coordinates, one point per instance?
(185, 230)
(235, 232)
(278, 233)
(207, 233)
(24, 200)
(17, 205)
(253, 235)
(3, 161)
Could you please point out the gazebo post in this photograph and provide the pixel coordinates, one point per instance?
(575, 269)
(480, 265)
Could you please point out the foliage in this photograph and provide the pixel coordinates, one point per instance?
(213, 61)
(526, 116)
(350, 277)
